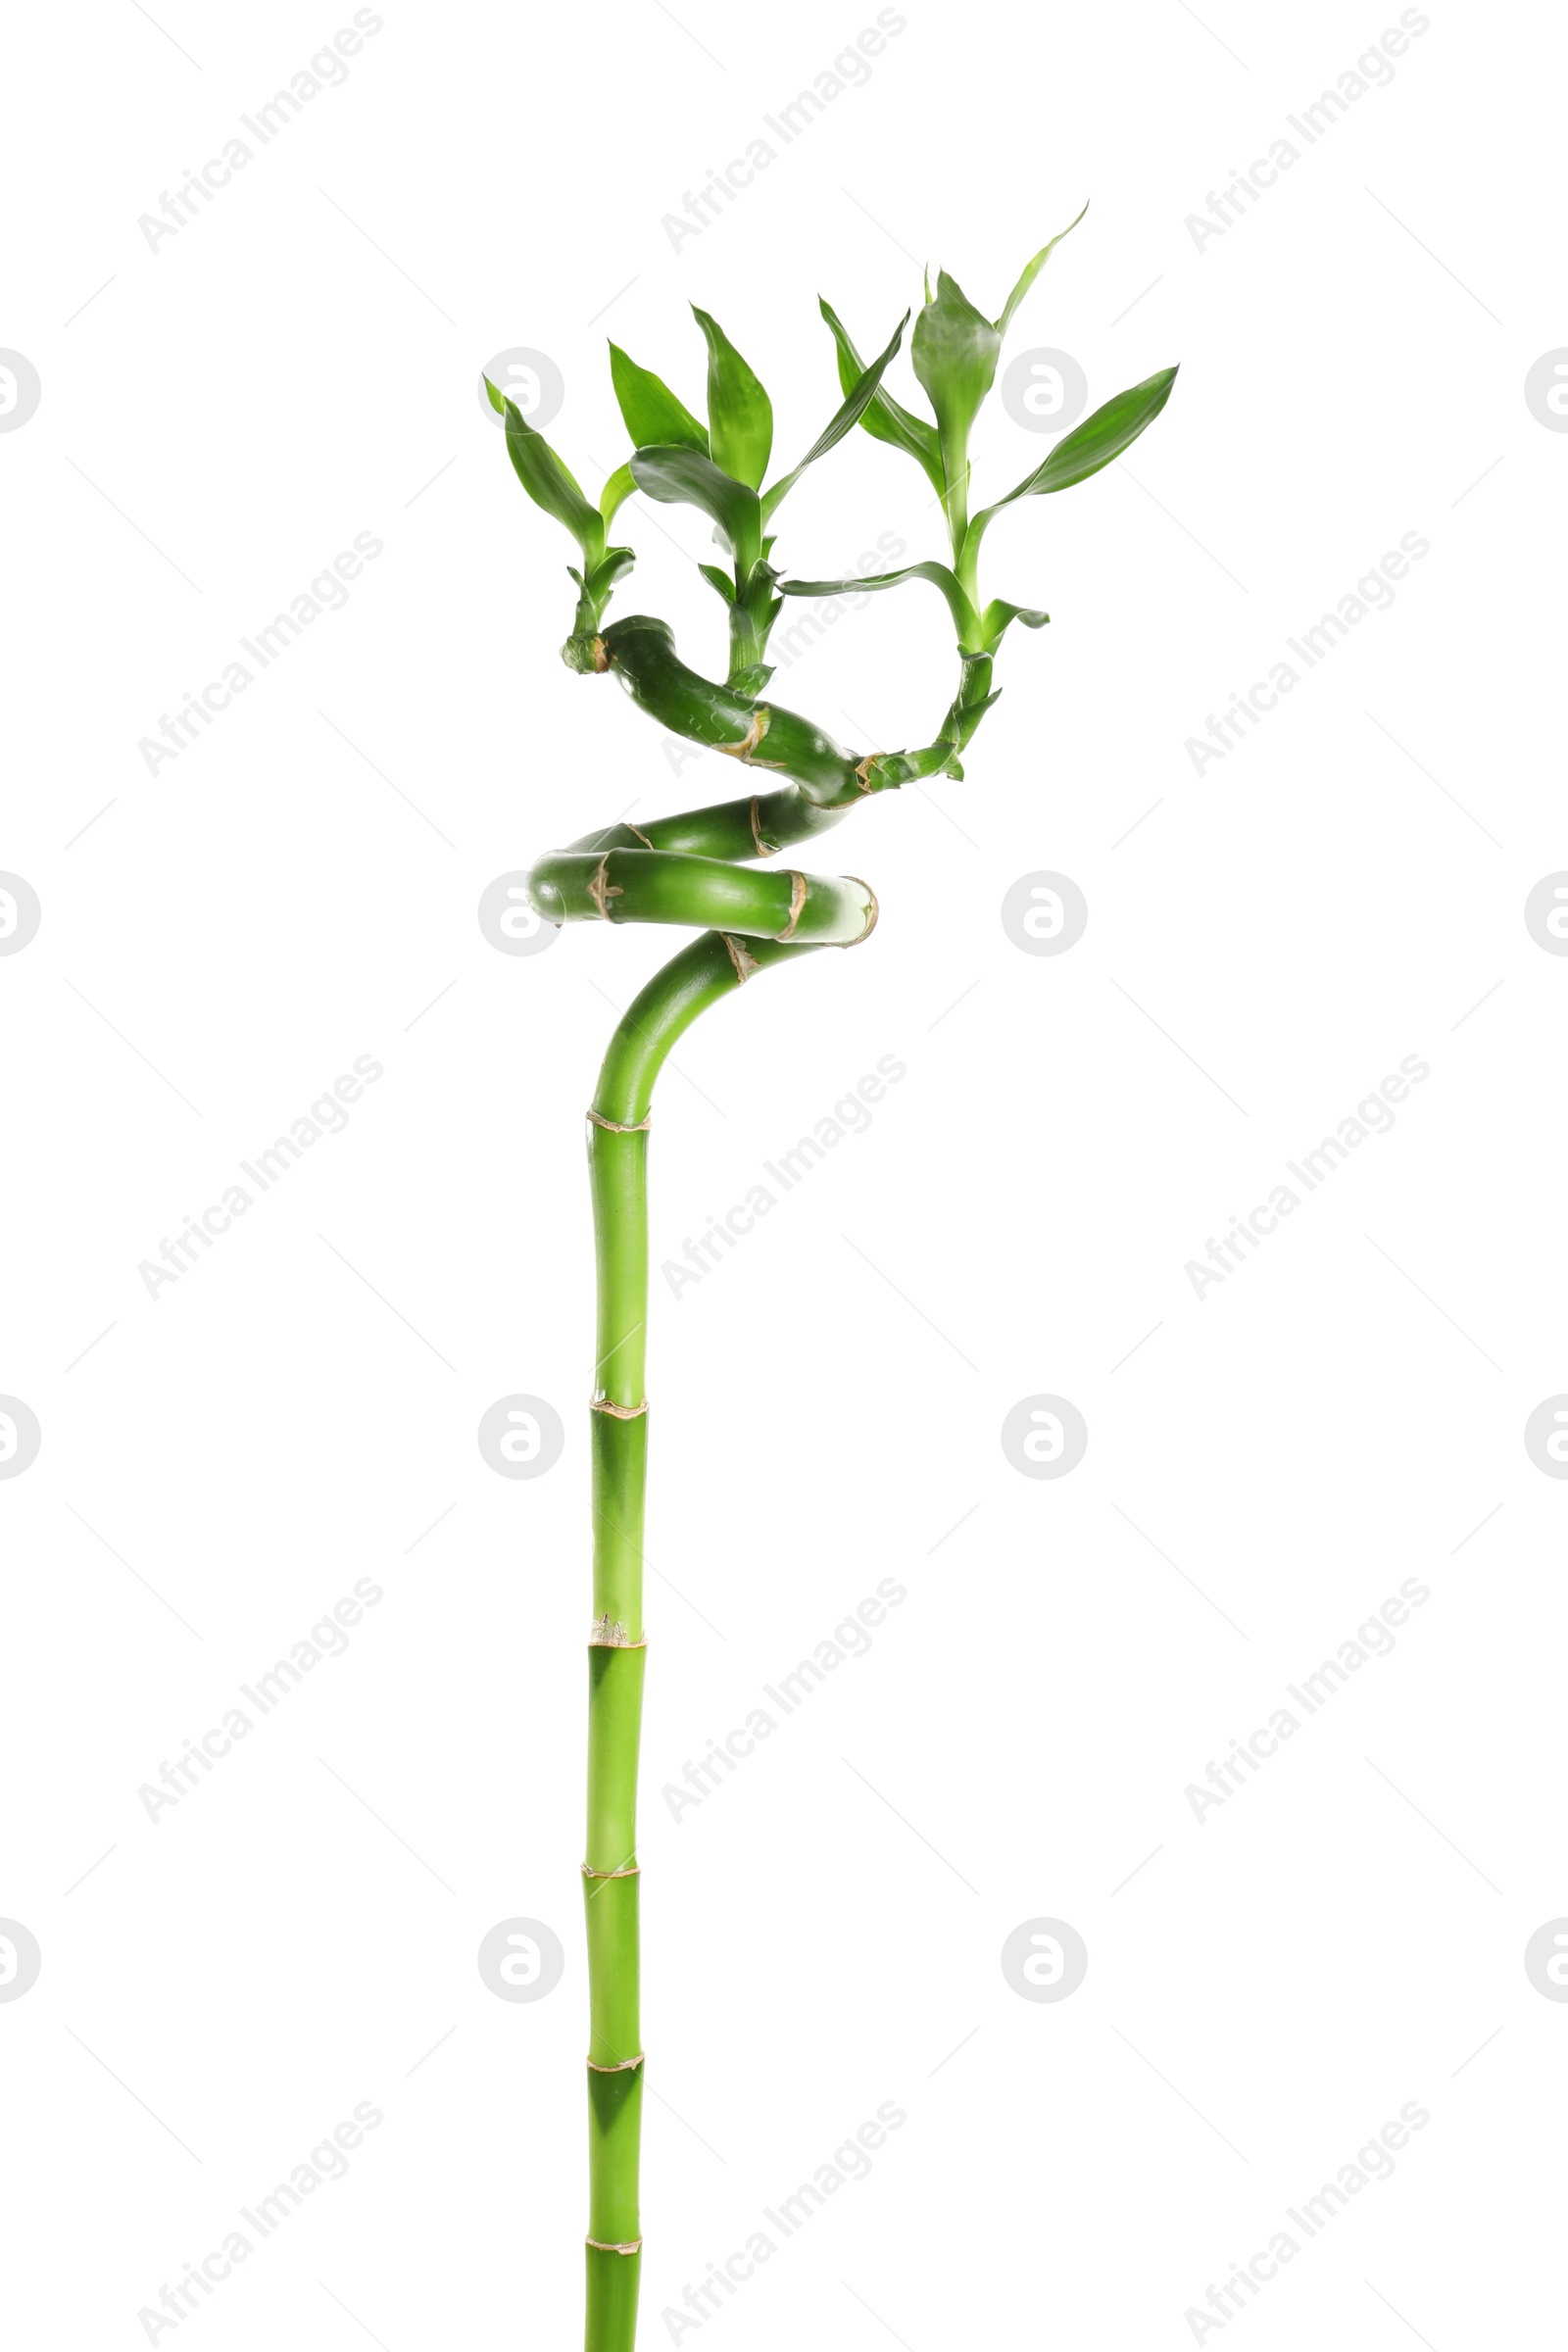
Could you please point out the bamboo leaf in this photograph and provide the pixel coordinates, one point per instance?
(685, 477)
(959, 605)
(882, 418)
(740, 415)
(955, 354)
(548, 483)
(720, 580)
(1031, 272)
(998, 617)
(618, 561)
(1095, 443)
(615, 494)
(844, 420)
(654, 416)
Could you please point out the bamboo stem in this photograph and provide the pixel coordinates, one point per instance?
(688, 869)
(618, 1165)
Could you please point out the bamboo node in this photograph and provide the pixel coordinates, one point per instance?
(628, 1869)
(750, 740)
(796, 904)
(745, 964)
(634, 2246)
(617, 1412)
(616, 1127)
(621, 2066)
(610, 1633)
(602, 890)
(764, 849)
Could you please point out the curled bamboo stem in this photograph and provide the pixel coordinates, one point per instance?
(698, 868)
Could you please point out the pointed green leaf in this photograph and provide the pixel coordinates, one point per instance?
(684, 477)
(844, 419)
(997, 617)
(615, 494)
(548, 483)
(1095, 443)
(964, 612)
(740, 415)
(720, 580)
(1032, 270)
(882, 418)
(955, 354)
(618, 561)
(653, 415)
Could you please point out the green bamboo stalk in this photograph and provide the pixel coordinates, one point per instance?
(617, 1169)
(698, 869)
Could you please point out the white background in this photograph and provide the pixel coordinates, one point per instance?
(298, 365)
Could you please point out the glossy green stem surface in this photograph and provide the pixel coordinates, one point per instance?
(617, 1166)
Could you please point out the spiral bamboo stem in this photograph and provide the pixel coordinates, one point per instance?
(700, 867)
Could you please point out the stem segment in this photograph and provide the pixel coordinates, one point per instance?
(617, 1167)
